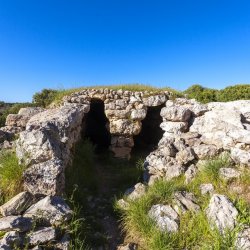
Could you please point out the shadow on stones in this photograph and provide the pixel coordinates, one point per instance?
(95, 126)
(151, 132)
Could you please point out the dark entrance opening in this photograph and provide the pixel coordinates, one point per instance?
(95, 126)
(150, 134)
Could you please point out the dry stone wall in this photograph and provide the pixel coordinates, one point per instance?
(192, 132)
(125, 110)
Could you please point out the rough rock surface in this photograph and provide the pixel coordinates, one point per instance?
(165, 217)
(229, 173)
(206, 188)
(42, 236)
(17, 223)
(136, 192)
(45, 146)
(18, 204)
(20, 120)
(221, 212)
(185, 201)
(243, 239)
(129, 246)
(51, 210)
(193, 132)
(191, 173)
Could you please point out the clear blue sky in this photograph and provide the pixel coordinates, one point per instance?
(65, 44)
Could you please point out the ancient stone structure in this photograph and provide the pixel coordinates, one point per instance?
(191, 132)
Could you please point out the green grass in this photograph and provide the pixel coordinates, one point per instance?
(10, 175)
(130, 87)
(83, 180)
(194, 230)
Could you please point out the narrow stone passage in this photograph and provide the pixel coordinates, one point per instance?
(114, 176)
(100, 178)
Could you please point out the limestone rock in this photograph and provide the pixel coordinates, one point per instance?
(18, 204)
(204, 151)
(161, 166)
(243, 239)
(4, 246)
(124, 126)
(154, 100)
(221, 127)
(165, 217)
(185, 156)
(122, 204)
(190, 173)
(229, 173)
(185, 201)
(45, 178)
(136, 192)
(221, 212)
(176, 113)
(51, 134)
(12, 238)
(240, 156)
(51, 210)
(174, 127)
(206, 188)
(64, 243)
(196, 108)
(16, 223)
(129, 246)
(42, 236)
(15, 120)
(139, 114)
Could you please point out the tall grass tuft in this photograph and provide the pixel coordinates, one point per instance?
(10, 175)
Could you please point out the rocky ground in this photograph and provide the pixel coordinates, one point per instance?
(193, 133)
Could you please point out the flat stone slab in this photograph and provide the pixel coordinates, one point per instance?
(17, 204)
(16, 223)
(51, 210)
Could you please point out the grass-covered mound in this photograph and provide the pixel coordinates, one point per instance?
(200, 93)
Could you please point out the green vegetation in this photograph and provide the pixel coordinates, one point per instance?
(194, 230)
(6, 109)
(44, 98)
(47, 96)
(10, 175)
(92, 175)
(200, 93)
(231, 93)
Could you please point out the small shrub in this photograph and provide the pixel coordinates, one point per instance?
(10, 175)
(236, 92)
(44, 98)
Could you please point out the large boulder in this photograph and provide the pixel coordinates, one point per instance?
(221, 213)
(46, 146)
(51, 210)
(45, 178)
(221, 127)
(176, 113)
(23, 116)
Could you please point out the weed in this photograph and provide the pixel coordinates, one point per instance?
(10, 175)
